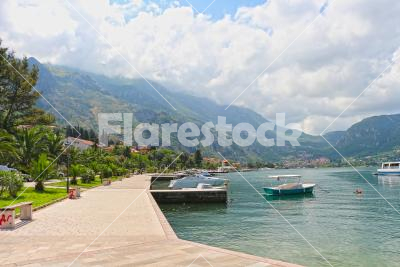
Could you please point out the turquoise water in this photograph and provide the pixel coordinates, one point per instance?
(348, 230)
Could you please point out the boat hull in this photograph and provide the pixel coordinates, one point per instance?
(389, 172)
(270, 191)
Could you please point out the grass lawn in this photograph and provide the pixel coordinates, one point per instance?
(94, 183)
(37, 198)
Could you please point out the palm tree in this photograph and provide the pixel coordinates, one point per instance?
(55, 145)
(30, 144)
(75, 172)
(41, 171)
(7, 146)
(87, 156)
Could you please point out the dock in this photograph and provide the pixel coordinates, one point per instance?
(193, 195)
(116, 225)
(165, 177)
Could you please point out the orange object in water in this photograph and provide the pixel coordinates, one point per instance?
(358, 191)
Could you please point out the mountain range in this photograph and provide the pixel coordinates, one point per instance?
(368, 137)
(79, 96)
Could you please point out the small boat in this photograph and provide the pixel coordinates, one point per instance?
(204, 186)
(193, 181)
(206, 174)
(389, 168)
(289, 188)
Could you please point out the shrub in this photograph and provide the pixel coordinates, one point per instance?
(88, 175)
(121, 171)
(106, 172)
(151, 169)
(10, 182)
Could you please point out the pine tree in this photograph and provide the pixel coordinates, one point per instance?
(17, 94)
(198, 158)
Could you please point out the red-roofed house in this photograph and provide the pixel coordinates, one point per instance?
(78, 143)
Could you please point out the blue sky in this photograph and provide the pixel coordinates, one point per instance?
(217, 10)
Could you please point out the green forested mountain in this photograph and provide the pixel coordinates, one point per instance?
(79, 96)
(334, 136)
(368, 137)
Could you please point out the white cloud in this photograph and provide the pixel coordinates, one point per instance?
(313, 81)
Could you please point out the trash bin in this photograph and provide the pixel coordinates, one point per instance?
(78, 192)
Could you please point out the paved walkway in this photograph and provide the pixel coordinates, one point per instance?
(138, 236)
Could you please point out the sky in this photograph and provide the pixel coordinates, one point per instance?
(216, 9)
(310, 59)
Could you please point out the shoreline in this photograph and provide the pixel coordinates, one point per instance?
(114, 225)
(170, 233)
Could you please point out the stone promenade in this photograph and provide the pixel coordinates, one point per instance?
(117, 225)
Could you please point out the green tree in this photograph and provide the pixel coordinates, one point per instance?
(198, 158)
(10, 182)
(41, 171)
(18, 97)
(55, 144)
(88, 175)
(7, 147)
(75, 172)
(184, 158)
(30, 144)
(127, 152)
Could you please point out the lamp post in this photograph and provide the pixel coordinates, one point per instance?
(67, 173)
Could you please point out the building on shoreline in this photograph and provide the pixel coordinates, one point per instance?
(78, 143)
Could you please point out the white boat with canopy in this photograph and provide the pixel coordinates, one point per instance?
(288, 188)
(194, 181)
(389, 168)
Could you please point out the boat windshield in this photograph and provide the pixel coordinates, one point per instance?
(285, 176)
(391, 165)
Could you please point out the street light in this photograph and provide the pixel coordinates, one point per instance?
(67, 173)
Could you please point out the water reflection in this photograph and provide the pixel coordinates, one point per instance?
(290, 197)
(389, 180)
(195, 207)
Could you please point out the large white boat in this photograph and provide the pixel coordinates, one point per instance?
(390, 168)
(193, 181)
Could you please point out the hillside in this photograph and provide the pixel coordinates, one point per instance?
(79, 96)
(369, 137)
(334, 137)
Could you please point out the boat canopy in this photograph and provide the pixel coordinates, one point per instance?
(391, 165)
(285, 176)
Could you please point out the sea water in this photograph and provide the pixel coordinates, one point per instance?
(345, 228)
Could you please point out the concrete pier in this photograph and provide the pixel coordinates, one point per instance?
(190, 196)
(117, 225)
(166, 177)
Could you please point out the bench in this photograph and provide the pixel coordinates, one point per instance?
(7, 217)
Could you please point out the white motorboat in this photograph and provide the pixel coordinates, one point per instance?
(205, 173)
(193, 181)
(389, 168)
